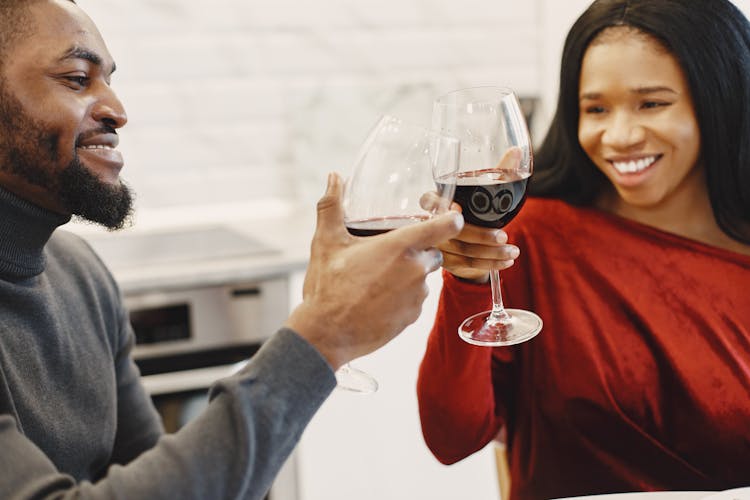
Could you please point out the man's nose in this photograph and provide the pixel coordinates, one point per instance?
(108, 108)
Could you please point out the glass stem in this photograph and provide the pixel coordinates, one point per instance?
(498, 311)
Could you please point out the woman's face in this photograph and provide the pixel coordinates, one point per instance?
(637, 122)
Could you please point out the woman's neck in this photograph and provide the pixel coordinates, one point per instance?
(687, 213)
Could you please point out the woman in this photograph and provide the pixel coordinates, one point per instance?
(636, 254)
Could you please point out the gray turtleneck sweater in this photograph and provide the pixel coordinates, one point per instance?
(75, 421)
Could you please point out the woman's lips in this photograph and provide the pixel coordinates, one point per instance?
(634, 166)
(632, 173)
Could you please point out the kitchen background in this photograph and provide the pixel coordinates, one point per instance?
(239, 108)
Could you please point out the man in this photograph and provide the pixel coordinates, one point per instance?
(74, 418)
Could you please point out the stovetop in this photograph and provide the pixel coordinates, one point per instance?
(128, 250)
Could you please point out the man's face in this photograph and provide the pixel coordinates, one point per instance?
(59, 116)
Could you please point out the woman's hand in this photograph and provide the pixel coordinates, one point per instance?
(477, 250)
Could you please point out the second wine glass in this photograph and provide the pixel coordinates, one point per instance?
(496, 163)
(403, 174)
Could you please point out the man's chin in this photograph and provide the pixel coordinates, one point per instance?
(89, 198)
(114, 213)
(111, 225)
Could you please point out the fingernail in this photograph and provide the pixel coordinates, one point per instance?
(458, 219)
(438, 260)
(513, 252)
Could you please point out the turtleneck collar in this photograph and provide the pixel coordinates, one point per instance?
(24, 231)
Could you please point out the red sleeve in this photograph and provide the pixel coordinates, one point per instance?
(455, 389)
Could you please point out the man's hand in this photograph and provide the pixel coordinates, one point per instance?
(359, 293)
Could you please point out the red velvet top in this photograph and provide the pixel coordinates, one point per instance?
(639, 380)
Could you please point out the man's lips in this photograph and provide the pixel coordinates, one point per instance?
(104, 136)
(100, 149)
(105, 161)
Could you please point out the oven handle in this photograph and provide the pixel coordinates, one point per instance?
(188, 380)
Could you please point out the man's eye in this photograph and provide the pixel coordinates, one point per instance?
(80, 81)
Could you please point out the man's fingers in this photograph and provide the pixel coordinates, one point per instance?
(330, 210)
(432, 259)
(428, 233)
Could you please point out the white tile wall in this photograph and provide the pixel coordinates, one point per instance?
(240, 100)
(235, 101)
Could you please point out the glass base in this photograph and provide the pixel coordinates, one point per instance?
(481, 329)
(353, 379)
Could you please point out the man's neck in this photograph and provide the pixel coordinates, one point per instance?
(25, 229)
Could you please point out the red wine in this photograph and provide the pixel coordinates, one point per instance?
(380, 225)
(491, 197)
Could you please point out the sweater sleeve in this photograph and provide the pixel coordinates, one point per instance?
(138, 423)
(456, 383)
(231, 451)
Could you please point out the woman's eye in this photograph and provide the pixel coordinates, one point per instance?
(654, 104)
(594, 110)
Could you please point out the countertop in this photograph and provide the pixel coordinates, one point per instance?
(278, 243)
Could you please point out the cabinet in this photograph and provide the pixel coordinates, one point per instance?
(370, 447)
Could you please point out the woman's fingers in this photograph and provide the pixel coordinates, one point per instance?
(476, 251)
(462, 263)
(483, 243)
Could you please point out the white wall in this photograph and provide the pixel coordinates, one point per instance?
(555, 18)
(370, 447)
(235, 101)
(240, 101)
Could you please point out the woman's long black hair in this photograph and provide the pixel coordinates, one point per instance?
(711, 41)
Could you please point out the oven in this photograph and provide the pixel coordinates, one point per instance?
(191, 333)
(187, 339)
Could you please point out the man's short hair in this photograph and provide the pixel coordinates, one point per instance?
(15, 23)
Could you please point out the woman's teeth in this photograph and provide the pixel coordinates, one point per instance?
(98, 146)
(635, 166)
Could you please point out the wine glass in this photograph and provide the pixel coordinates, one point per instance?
(403, 174)
(495, 166)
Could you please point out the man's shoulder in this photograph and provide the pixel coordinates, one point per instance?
(73, 254)
(67, 239)
(68, 245)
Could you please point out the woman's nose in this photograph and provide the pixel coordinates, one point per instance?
(623, 131)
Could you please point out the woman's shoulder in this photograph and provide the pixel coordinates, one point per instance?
(538, 210)
(553, 220)
(539, 204)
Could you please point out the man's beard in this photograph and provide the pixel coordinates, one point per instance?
(30, 151)
(86, 196)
